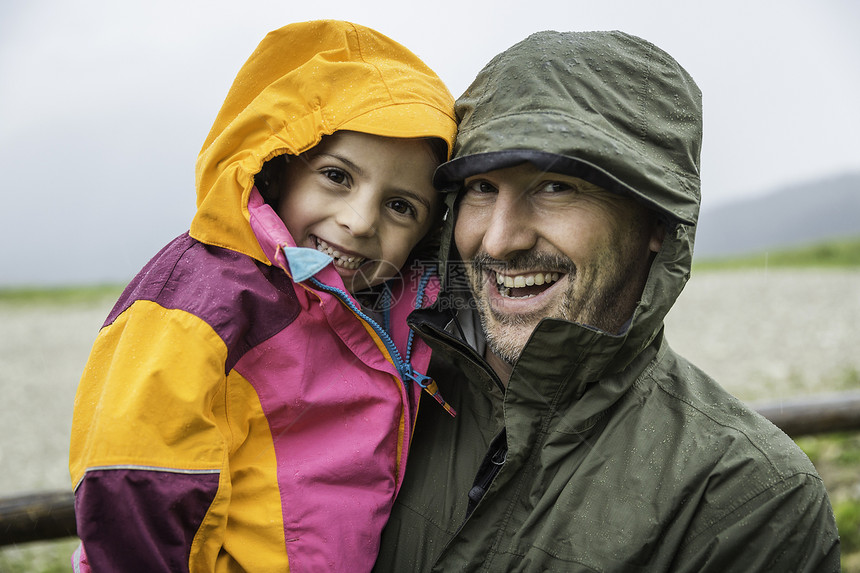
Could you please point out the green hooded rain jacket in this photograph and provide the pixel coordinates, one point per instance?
(606, 452)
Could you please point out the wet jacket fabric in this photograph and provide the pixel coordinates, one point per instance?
(606, 452)
(240, 411)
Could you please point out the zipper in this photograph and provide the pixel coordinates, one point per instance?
(495, 458)
(497, 452)
(464, 349)
(404, 367)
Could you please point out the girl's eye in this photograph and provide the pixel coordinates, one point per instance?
(335, 175)
(402, 207)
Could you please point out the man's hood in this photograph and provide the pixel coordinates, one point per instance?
(609, 105)
(609, 108)
(302, 82)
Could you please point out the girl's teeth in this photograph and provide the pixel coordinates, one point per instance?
(349, 263)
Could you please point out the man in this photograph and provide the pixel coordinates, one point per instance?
(582, 441)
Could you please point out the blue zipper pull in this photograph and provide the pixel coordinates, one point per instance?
(429, 386)
(404, 368)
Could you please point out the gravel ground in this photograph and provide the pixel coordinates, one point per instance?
(769, 336)
(43, 350)
(763, 335)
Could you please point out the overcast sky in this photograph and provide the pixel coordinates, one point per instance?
(104, 104)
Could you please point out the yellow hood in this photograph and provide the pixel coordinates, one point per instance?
(302, 82)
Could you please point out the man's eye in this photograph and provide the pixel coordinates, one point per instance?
(480, 187)
(335, 175)
(402, 207)
(558, 187)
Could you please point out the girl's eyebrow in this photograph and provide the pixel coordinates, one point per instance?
(415, 197)
(352, 166)
(355, 168)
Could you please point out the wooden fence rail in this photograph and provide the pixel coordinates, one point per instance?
(37, 517)
(51, 515)
(815, 414)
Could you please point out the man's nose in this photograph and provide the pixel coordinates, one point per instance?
(358, 216)
(510, 228)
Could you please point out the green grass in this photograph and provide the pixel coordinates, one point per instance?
(837, 459)
(848, 521)
(843, 253)
(39, 557)
(59, 295)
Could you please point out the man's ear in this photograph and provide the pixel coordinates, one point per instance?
(657, 236)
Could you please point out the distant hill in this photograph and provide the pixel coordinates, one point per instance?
(792, 216)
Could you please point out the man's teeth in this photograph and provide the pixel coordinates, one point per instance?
(520, 281)
(349, 262)
(507, 282)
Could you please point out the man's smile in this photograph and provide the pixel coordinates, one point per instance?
(519, 294)
(525, 285)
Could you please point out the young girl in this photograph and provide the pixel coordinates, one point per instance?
(241, 410)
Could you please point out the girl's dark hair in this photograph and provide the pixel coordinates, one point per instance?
(439, 148)
(268, 180)
(427, 249)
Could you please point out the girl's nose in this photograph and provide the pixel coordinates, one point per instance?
(358, 217)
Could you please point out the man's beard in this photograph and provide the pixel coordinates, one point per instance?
(507, 334)
(506, 340)
(602, 300)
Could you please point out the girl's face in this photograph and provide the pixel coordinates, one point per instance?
(363, 199)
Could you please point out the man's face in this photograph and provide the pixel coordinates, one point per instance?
(541, 245)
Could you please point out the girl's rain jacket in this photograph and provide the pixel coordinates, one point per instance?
(605, 452)
(239, 412)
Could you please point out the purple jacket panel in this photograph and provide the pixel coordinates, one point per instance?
(164, 532)
(245, 302)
